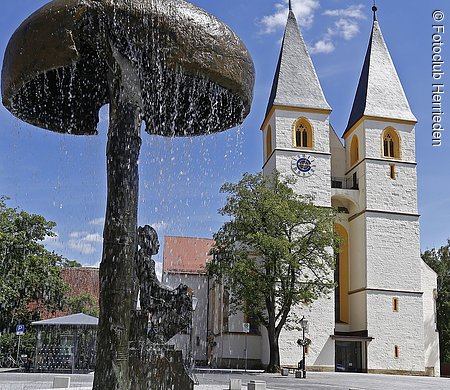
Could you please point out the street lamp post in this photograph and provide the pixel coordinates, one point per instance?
(191, 352)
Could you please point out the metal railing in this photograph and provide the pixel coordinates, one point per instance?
(346, 183)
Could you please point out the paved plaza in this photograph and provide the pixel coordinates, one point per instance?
(220, 380)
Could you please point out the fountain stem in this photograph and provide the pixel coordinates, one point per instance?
(119, 236)
(167, 63)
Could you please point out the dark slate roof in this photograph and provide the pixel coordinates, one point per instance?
(79, 319)
(295, 83)
(380, 92)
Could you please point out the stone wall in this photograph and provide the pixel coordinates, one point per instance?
(389, 328)
(320, 316)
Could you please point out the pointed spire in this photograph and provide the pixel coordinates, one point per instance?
(295, 83)
(380, 93)
(374, 9)
(290, 5)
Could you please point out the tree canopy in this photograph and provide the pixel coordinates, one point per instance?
(439, 260)
(30, 279)
(275, 252)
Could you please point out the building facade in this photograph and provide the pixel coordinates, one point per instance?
(184, 262)
(381, 318)
(216, 337)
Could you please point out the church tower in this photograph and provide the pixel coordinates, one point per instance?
(296, 141)
(296, 127)
(385, 292)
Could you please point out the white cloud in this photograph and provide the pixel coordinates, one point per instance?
(93, 237)
(323, 46)
(77, 234)
(353, 11)
(346, 27)
(303, 9)
(52, 242)
(51, 238)
(86, 236)
(97, 221)
(84, 242)
(81, 246)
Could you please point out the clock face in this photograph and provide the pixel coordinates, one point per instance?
(303, 165)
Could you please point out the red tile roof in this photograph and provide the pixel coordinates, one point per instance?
(186, 254)
(82, 279)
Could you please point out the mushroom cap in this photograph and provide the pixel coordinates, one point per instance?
(186, 70)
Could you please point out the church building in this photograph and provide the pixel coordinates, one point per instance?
(381, 318)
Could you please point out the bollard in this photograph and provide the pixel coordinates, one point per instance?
(61, 382)
(256, 385)
(235, 384)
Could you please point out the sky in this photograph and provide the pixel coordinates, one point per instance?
(62, 177)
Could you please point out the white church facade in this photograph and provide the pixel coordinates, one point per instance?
(381, 318)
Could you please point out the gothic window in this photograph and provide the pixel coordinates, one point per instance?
(391, 143)
(302, 134)
(269, 142)
(354, 150)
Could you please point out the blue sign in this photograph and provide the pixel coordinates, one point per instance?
(20, 330)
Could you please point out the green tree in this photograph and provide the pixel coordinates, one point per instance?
(8, 343)
(274, 253)
(30, 279)
(439, 260)
(71, 264)
(82, 303)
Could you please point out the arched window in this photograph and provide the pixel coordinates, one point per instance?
(268, 142)
(302, 134)
(354, 150)
(391, 143)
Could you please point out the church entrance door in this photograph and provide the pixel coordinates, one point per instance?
(350, 356)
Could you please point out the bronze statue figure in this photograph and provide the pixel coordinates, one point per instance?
(168, 311)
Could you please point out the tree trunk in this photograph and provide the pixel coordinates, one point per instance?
(119, 238)
(274, 350)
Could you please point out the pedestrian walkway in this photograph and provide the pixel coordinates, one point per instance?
(220, 381)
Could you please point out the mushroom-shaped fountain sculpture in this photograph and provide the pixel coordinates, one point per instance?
(164, 62)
